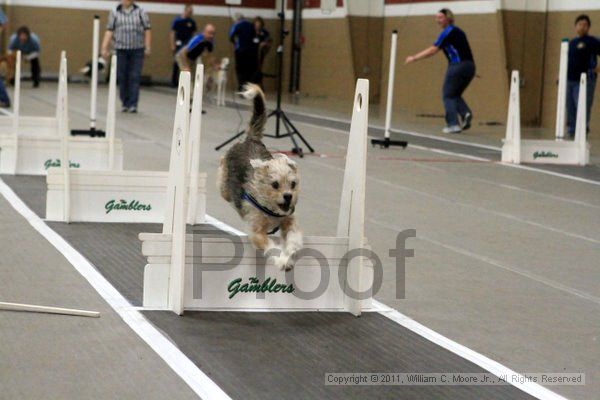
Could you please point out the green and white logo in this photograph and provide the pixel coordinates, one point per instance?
(133, 205)
(255, 286)
(56, 163)
(544, 154)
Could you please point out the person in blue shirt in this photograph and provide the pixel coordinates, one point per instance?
(461, 70)
(242, 35)
(183, 29)
(29, 44)
(583, 59)
(187, 56)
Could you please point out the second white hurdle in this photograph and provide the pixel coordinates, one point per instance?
(128, 196)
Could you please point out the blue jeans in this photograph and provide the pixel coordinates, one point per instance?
(3, 95)
(129, 72)
(457, 79)
(573, 98)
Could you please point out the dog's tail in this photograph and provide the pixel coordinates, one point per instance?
(259, 114)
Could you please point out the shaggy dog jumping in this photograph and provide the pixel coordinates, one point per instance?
(262, 187)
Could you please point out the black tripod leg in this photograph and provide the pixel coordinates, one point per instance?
(231, 139)
(291, 130)
(295, 131)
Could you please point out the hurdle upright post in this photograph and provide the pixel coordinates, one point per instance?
(94, 83)
(63, 126)
(16, 112)
(111, 111)
(562, 90)
(351, 218)
(194, 148)
(581, 125)
(513, 122)
(176, 201)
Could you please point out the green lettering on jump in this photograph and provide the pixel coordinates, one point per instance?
(255, 286)
(123, 205)
(56, 163)
(544, 154)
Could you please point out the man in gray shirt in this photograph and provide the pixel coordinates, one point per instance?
(129, 29)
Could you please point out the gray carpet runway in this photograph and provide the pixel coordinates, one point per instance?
(270, 355)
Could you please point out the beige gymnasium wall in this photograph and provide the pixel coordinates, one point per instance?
(353, 42)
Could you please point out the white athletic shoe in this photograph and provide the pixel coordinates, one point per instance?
(452, 129)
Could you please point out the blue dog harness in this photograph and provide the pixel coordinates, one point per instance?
(248, 197)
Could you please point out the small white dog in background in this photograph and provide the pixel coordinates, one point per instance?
(222, 81)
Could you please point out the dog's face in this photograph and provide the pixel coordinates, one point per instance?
(275, 183)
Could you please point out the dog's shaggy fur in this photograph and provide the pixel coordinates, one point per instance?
(271, 179)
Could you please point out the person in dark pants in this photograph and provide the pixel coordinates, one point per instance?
(583, 59)
(262, 40)
(242, 34)
(129, 27)
(183, 29)
(29, 45)
(461, 70)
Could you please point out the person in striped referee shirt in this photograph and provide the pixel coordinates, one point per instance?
(128, 29)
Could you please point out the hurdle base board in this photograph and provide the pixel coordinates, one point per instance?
(38, 153)
(30, 126)
(144, 193)
(215, 269)
(547, 152)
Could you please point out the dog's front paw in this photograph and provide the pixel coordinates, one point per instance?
(283, 262)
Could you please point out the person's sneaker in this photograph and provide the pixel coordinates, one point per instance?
(132, 110)
(466, 122)
(36, 85)
(124, 109)
(452, 129)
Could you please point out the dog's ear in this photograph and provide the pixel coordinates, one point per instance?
(288, 160)
(257, 163)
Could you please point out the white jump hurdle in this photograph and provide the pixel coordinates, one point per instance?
(516, 150)
(26, 125)
(127, 196)
(181, 272)
(34, 154)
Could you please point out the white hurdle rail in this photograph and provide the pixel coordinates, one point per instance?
(517, 150)
(26, 125)
(129, 196)
(561, 98)
(177, 278)
(34, 154)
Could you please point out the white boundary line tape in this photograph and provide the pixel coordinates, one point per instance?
(197, 380)
(486, 363)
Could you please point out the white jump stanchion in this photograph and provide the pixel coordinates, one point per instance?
(513, 122)
(176, 207)
(16, 113)
(581, 124)
(194, 147)
(129, 196)
(561, 98)
(177, 277)
(517, 150)
(63, 123)
(386, 142)
(111, 112)
(94, 83)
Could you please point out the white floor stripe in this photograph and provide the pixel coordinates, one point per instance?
(6, 112)
(197, 380)
(484, 362)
